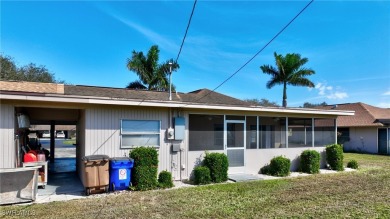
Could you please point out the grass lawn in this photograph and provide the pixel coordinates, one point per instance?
(361, 194)
(69, 142)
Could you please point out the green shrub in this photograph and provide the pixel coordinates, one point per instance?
(310, 161)
(353, 164)
(265, 170)
(165, 179)
(218, 165)
(335, 156)
(202, 175)
(280, 166)
(144, 172)
(144, 156)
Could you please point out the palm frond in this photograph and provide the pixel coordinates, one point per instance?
(136, 85)
(270, 70)
(304, 72)
(272, 82)
(303, 82)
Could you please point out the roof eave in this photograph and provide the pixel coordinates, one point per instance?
(168, 104)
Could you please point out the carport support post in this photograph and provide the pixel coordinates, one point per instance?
(52, 140)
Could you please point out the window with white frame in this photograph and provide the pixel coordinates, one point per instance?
(135, 133)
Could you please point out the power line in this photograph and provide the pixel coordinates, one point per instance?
(246, 63)
(185, 34)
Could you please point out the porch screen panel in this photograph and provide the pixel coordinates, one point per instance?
(205, 132)
(299, 132)
(324, 132)
(272, 132)
(251, 132)
(236, 157)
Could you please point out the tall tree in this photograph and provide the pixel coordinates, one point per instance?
(8, 69)
(30, 72)
(289, 70)
(313, 105)
(152, 75)
(262, 102)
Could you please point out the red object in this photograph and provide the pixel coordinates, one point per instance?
(30, 157)
(32, 152)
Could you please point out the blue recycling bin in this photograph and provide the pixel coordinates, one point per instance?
(120, 173)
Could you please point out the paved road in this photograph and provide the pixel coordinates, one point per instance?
(61, 150)
(59, 143)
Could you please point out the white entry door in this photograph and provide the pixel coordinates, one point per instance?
(234, 140)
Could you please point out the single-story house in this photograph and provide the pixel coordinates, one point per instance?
(366, 131)
(112, 121)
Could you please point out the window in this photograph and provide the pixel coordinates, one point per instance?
(136, 133)
(342, 135)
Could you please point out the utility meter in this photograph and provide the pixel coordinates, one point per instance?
(170, 134)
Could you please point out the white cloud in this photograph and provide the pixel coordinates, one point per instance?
(154, 37)
(384, 105)
(386, 93)
(327, 91)
(337, 95)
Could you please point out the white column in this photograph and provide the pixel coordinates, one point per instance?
(312, 132)
(286, 132)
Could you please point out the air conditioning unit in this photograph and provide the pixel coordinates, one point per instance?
(23, 121)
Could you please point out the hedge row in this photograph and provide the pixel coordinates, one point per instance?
(309, 162)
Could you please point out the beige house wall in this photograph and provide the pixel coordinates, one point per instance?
(80, 148)
(363, 139)
(7, 136)
(258, 158)
(103, 134)
(99, 133)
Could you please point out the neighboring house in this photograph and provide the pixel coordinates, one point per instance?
(112, 121)
(68, 130)
(367, 131)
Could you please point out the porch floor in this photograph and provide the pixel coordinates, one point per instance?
(63, 182)
(61, 187)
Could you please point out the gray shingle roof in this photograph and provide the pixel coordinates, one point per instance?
(365, 115)
(202, 96)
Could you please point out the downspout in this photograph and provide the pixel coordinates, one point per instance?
(52, 140)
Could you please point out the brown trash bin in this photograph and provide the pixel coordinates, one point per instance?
(96, 175)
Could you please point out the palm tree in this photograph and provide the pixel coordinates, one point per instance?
(288, 71)
(152, 76)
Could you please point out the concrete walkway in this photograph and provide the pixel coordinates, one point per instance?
(61, 187)
(241, 177)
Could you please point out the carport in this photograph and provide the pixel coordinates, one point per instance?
(52, 117)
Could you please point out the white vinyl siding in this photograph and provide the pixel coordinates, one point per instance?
(103, 131)
(7, 142)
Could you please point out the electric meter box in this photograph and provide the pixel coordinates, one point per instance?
(179, 128)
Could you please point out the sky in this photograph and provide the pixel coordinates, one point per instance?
(89, 42)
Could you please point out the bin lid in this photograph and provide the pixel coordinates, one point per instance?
(95, 157)
(121, 158)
